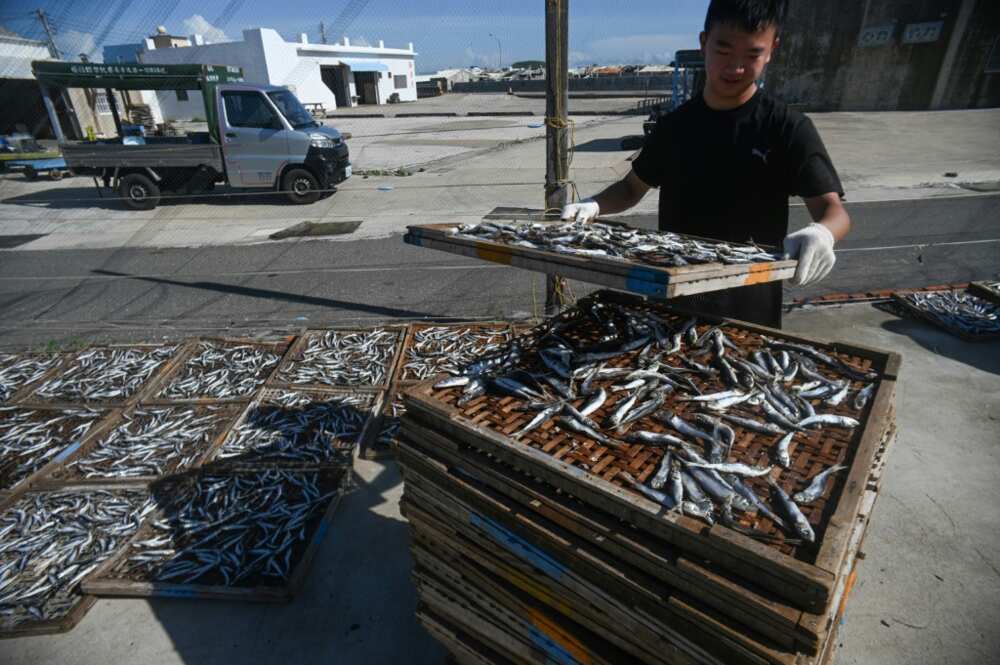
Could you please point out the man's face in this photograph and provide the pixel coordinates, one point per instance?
(734, 58)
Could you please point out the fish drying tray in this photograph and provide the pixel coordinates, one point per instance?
(156, 393)
(341, 452)
(987, 290)
(644, 279)
(912, 310)
(108, 581)
(294, 359)
(804, 576)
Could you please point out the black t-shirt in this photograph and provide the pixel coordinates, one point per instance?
(728, 174)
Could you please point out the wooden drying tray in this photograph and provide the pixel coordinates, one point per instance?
(986, 290)
(806, 585)
(656, 281)
(105, 582)
(912, 310)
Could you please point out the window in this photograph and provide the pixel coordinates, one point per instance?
(249, 109)
(101, 103)
(400, 81)
(182, 95)
(292, 109)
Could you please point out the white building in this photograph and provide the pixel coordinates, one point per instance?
(333, 75)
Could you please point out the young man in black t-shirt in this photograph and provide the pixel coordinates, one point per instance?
(727, 161)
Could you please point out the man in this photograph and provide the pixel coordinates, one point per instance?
(727, 161)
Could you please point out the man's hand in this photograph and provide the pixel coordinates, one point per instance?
(586, 210)
(813, 247)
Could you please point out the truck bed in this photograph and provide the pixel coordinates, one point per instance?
(156, 152)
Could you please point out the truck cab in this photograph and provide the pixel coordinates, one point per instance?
(270, 140)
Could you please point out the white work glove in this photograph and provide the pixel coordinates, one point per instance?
(813, 247)
(586, 210)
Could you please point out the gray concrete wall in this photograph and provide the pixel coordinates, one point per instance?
(597, 84)
(833, 57)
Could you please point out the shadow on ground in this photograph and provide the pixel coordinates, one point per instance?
(357, 603)
(69, 198)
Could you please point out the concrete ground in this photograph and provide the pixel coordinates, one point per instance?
(926, 591)
(472, 165)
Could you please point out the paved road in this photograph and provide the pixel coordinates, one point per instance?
(141, 293)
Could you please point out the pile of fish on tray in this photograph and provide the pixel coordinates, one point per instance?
(151, 442)
(297, 428)
(778, 391)
(437, 349)
(659, 248)
(50, 541)
(30, 438)
(105, 374)
(231, 530)
(343, 358)
(17, 371)
(221, 372)
(959, 310)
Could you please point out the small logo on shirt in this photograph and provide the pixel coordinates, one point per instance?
(757, 153)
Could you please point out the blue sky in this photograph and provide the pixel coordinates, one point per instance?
(445, 33)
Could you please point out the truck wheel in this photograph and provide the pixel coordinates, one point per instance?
(30, 173)
(138, 192)
(55, 174)
(300, 186)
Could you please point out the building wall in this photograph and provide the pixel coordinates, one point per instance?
(299, 73)
(868, 56)
(247, 54)
(266, 58)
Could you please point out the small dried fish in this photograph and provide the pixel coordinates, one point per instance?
(267, 518)
(49, 541)
(343, 358)
(17, 371)
(113, 373)
(297, 428)
(222, 371)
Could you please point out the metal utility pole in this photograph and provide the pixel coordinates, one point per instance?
(50, 108)
(557, 127)
(322, 32)
(44, 20)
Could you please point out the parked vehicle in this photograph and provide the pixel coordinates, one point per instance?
(21, 152)
(260, 137)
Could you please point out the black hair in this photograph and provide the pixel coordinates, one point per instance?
(748, 15)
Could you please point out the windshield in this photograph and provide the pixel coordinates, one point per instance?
(292, 109)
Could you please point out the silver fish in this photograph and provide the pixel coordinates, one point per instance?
(651, 494)
(782, 454)
(865, 394)
(799, 522)
(817, 485)
(653, 439)
(735, 467)
(836, 398)
(754, 425)
(452, 382)
(829, 419)
(659, 479)
(578, 427)
(698, 510)
(544, 415)
(596, 401)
